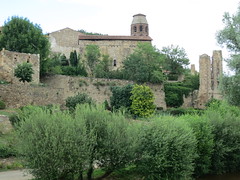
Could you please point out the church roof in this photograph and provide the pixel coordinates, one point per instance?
(109, 38)
(139, 19)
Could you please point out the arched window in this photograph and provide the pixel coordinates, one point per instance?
(135, 29)
(141, 28)
(114, 62)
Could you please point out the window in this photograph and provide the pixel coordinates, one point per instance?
(141, 28)
(135, 29)
(146, 29)
(114, 62)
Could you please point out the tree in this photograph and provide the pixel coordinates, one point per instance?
(74, 58)
(121, 96)
(24, 72)
(230, 37)
(144, 64)
(92, 56)
(102, 69)
(19, 34)
(176, 60)
(142, 101)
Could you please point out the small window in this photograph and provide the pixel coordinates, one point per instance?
(146, 29)
(114, 62)
(141, 28)
(135, 29)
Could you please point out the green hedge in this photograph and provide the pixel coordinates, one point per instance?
(167, 149)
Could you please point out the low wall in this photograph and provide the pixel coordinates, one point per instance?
(58, 87)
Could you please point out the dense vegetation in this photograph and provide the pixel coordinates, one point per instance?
(57, 144)
(21, 35)
(229, 37)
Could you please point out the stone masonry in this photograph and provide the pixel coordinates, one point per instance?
(117, 47)
(209, 74)
(9, 61)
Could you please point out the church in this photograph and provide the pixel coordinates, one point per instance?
(117, 47)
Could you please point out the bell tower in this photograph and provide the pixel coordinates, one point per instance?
(139, 26)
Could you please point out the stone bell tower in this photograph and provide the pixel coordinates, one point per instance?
(139, 26)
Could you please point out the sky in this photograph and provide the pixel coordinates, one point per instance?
(190, 24)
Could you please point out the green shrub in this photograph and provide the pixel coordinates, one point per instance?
(7, 145)
(2, 105)
(121, 96)
(225, 121)
(166, 150)
(58, 145)
(202, 130)
(71, 102)
(142, 101)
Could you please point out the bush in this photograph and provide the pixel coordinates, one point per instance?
(202, 130)
(2, 105)
(142, 101)
(166, 150)
(71, 102)
(121, 97)
(59, 145)
(225, 121)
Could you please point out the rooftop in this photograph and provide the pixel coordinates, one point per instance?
(100, 37)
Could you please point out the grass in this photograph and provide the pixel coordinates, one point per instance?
(8, 112)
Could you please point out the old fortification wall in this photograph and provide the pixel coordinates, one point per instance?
(64, 41)
(18, 95)
(9, 61)
(59, 87)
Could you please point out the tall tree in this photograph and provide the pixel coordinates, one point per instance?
(176, 59)
(92, 55)
(229, 36)
(144, 64)
(21, 35)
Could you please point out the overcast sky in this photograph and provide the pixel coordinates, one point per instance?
(191, 24)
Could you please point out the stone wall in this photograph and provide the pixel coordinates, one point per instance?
(97, 88)
(64, 41)
(18, 95)
(57, 88)
(9, 61)
(118, 50)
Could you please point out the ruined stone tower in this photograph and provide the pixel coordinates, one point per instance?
(209, 74)
(139, 26)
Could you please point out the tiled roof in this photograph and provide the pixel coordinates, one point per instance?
(100, 37)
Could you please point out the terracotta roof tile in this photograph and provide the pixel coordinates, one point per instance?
(102, 37)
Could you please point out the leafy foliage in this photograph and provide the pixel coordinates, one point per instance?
(142, 101)
(2, 105)
(176, 60)
(166, 149)
(58, 145)
(144, 65)
(92, 55)
(24, 72)
(121, 96)
(102, 69)
(20, 35)
(174, 93)
(72, 102)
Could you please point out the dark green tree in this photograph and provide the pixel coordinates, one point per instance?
(21, 35)
(74, 58)
(229, 36)
(24, 72)
(144, 64)
(102, 69)
(92, 55)
(176, 60)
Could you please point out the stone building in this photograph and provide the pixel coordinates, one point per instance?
(9, 61)
(117, 47)
(210, 71)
